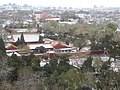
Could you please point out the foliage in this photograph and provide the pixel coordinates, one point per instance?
(19, 25)
(40, 39)
(14, 61)
(112, 26)
(58, 74)
(73, 79)
(20, 41)
(2, 47)
(40, 49)
(115, 50)
(84, 88)
(36, 63)
(79, 41)
(87, 65)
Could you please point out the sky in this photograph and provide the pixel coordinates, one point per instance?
(66, 3)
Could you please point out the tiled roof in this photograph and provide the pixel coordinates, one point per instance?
(58, 45)
(11, 47)
(32, 37)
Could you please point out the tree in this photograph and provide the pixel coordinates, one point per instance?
(14, 61)
(2, 47)
(105, 42)
(4, 69)
(40, 49)
(79, 41)
(40, 39)
(27, 60)
(84, 88)
(87, 65)
(36, 63)
(22, 40)
(115, 50)
(72, 79)
(112, 26)
(17, 42)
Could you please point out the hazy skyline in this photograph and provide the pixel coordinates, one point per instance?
(66, 3)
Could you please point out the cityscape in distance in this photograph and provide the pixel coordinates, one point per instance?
(64, 47)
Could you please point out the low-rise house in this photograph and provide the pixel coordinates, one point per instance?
(11, 49)
(53, 18)
(33, 47)
(40, 16)
(63, 48)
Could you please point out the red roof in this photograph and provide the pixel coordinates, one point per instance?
(58, 45)
(98, 52)
(11, 47)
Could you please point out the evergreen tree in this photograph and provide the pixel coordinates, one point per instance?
(22, 39)
(40, 39)
(41, 49)
(2, 47)
(17, 42)
(87, 65)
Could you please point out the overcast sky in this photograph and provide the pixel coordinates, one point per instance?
(66, 3)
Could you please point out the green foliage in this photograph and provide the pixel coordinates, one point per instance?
(17, 63)
(115, 50)
(105, 42)
(2, 47)
(14, 61)
(20, 25)
(13, 75)
(79, 41)
(93, 43)
(112, 26)
(87, 65)
(61, 74)
(40, 39)
(54, 24)
(35, 63)
(40, 49)
(50, 68)
(105, 66)
(84, 88)
(73, 78)
(101, 44)
(98, 64)
(27, 60)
